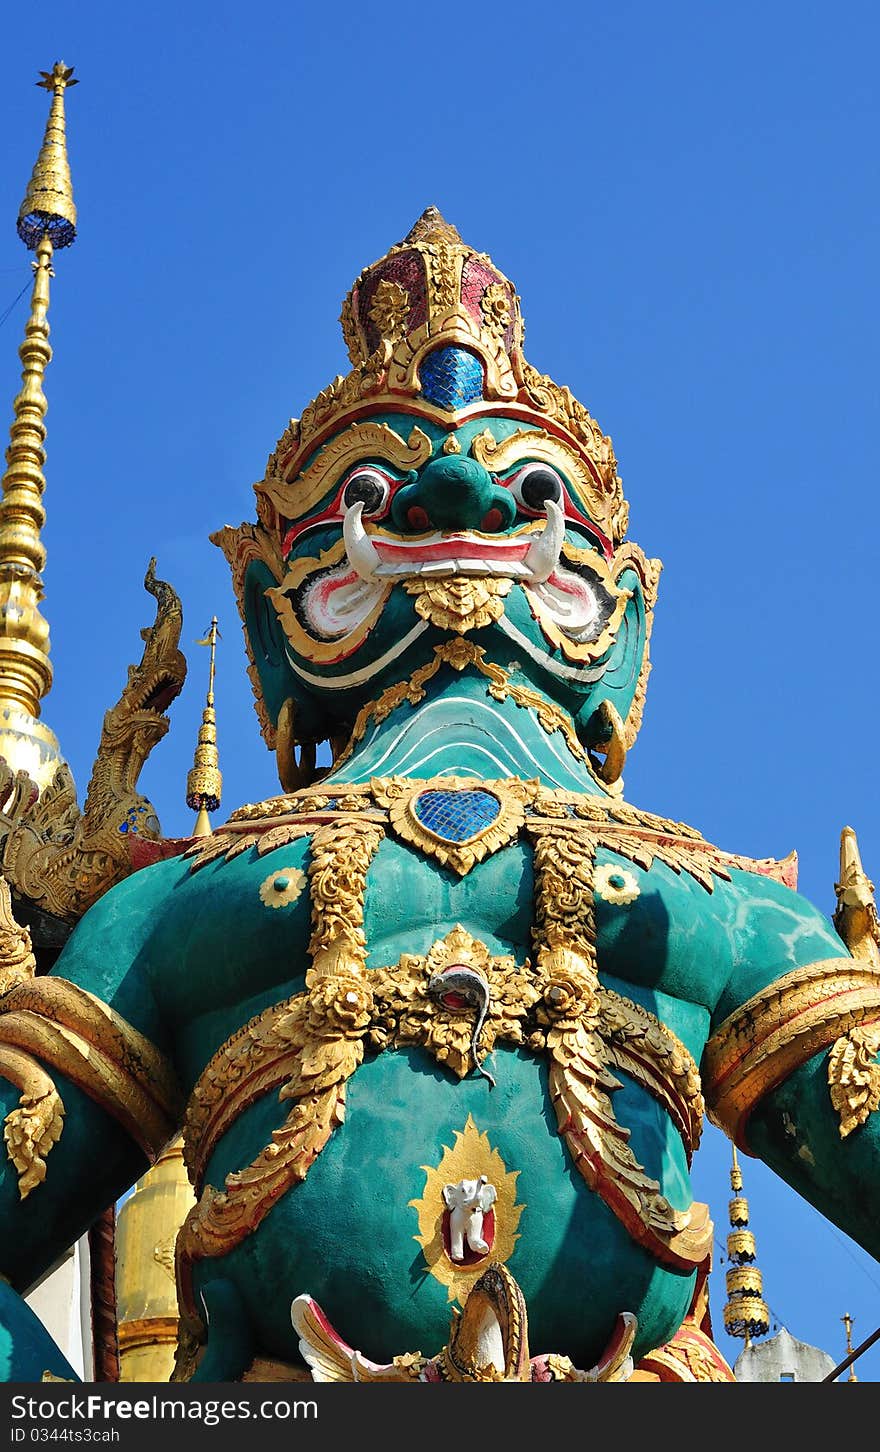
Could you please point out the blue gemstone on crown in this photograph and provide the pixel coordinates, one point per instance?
(451, 377)
(456, 816)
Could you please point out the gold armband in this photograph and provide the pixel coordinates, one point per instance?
(47, 1021)
(780, 1028)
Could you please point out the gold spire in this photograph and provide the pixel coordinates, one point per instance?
(46, 220)
(745, 1313)
(146, 1295)
(204, 782)
(848, 1323)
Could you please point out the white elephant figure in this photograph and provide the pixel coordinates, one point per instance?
(467, 1203)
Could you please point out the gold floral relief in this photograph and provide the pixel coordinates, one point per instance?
(854, 1076)
(32, 1128)
(406, 1011)
(389, 309)
(495, 308)
(459, 602)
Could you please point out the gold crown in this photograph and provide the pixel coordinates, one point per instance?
(430, 293)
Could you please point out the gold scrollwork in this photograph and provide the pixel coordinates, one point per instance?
(317, 1042)
(580, 1081)
(293, 498)
(642, 837)
(341, 856)
(407, 1014)
(537, 444)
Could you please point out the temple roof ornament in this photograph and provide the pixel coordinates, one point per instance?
(204, 781)
(745, 1314)
(48, 204)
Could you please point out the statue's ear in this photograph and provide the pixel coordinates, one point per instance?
(265, 639)
(625, 678)
(284, 696)
(289, 715)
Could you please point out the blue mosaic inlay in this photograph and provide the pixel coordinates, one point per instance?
(456, 816)
(451, 377)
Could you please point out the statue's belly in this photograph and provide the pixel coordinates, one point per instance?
(365, 1233)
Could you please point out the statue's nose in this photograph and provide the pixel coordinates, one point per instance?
(453, 493)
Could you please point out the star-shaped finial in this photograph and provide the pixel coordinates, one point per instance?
(59, 77)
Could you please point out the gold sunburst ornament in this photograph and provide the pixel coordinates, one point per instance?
(467, 1159)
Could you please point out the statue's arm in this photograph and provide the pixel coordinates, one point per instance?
(791, 1068)
(88, 1093)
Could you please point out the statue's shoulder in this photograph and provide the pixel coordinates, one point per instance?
(621, 826)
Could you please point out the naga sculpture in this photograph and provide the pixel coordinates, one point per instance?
(61, 858)
(458, 957)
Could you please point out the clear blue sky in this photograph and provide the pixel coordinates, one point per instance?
(686, 196)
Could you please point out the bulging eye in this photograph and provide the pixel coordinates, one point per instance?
(368, 487)
(534, 485)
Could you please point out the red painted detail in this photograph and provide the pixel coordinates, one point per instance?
(417, 517)
(455, 1001)
(143, 852)
(453, 546)
(324, 588)
(492, 521)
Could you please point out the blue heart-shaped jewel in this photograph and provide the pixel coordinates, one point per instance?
(456, 816)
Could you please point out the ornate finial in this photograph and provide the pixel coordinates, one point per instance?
(855, 917)
(48, 207)
(46, 220)
(848, 1323)
(204, 782)
(432, 224)
(745, 1313)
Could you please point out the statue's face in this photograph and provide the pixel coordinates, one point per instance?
(414, 531)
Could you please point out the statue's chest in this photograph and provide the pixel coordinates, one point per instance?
(653, 929)
(256, 919)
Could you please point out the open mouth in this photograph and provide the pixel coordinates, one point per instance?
(328, 606)
(158, 696)
(531, 556)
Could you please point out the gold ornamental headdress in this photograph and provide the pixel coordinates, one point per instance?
(434, 329)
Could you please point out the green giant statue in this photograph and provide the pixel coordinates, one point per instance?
(440, 1025)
